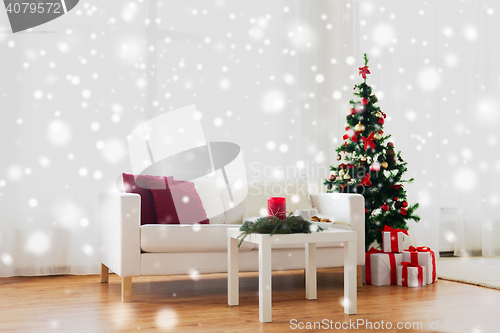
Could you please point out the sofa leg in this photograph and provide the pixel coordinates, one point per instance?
(127, 289)
(360, 276)
(104, 273)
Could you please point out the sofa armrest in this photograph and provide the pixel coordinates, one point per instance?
(348, 208)
(119, 233)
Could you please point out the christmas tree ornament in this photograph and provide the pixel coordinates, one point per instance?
(375, 167)
(347, 177)
(378, 114)
(381, 121)
(368, 141)
(363, 71)
(397, 205)
(404, 204)
(404, 211)
(359, 127)
(339, 178)
(364, 101)
(329, 187)
(339, 157)
(384, 165)
(332, 177)
(373, 99)
(341, 172)
(390, 145)
(350, 134)
(366, 180)
(377, 136)
(363, 158)
(385, 207)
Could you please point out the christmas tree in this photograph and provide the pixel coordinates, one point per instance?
(370, 166)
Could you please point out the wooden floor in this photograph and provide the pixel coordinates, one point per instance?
(180, 304)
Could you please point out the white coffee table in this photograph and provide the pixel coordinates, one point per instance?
(266, 241)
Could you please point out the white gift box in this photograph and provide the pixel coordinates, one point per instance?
(380, 267)
(412, 276)
(424, 259)
(387, 241)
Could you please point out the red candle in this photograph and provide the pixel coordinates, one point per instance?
(276, 206)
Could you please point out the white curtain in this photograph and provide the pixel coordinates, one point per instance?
(435, 71)
(74, 88)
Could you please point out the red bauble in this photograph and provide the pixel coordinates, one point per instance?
(404, 204)
(404, 211)
(364, 101)
(331, 177)
(390, 144)
(385, 207)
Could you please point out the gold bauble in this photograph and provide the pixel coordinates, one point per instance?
(359, 127)
(341, 173)
(378, 114)
(384, 165)
(347, 177)
(377, 136)
(363, 158)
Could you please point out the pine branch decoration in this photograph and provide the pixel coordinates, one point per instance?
(272, 225)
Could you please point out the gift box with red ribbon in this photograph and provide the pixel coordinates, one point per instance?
(411, 275)
(425, 257)
(392, 239)
(380, 268)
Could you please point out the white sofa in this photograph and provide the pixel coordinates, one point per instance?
(131, 250)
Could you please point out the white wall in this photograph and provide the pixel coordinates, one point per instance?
(74, 88)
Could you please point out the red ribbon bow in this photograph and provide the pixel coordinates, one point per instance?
(414, 258)
(369, 141)
(351, 134)
(366, 180)
(394, 237)
(363, 71)
(404, 278)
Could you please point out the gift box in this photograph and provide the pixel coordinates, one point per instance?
(411, 275)
(392, 239)
(380, 267)
(425, 257)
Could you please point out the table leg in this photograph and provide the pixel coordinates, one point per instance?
(265, 286)
(311, 281)
(233, 297)
(350, 275)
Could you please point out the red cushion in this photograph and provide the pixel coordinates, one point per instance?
(179, 203)
(163, 203)
(138, 184)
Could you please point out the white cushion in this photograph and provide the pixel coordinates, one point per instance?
(294, 189)
(165, 238)
(234, 214)
(208, 189)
